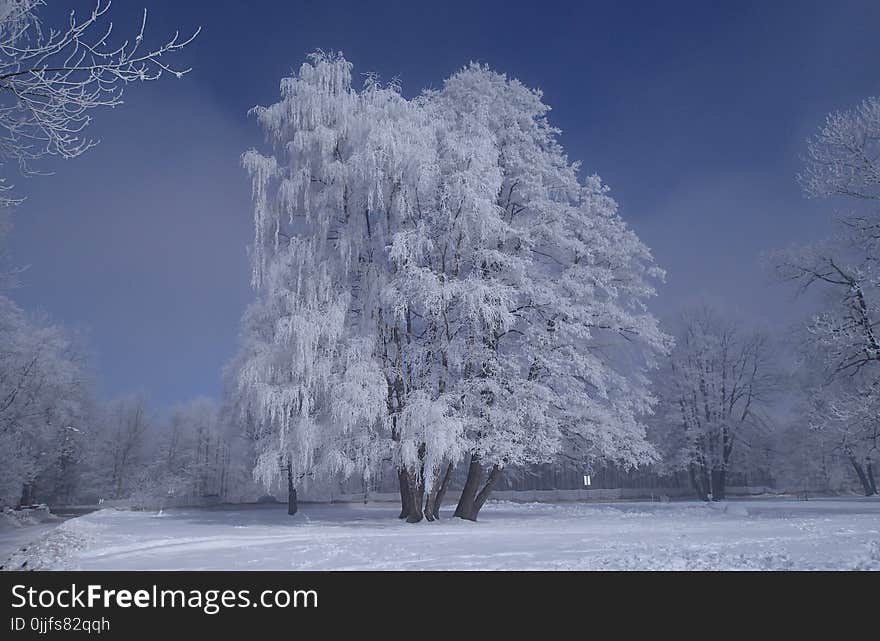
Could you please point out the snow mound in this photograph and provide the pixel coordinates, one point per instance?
(55, 550)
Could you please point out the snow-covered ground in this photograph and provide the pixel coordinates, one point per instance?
(19, 528)
(836, 534)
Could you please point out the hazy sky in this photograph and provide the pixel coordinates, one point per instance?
(694, 113)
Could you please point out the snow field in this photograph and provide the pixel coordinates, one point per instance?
(834, 534)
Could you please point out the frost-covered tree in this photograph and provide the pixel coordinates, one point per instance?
(713, 387)
(844, 161)
(551, 287)
(132, 452)
(43, 399)
(843, 158)
(320, 384)
(121, 448)
(846, 415)
(842, 340)
(435, 282)
(310, 252)
(846, 330)
(193, 454)
(53, 77)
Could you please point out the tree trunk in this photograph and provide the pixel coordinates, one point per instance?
(435, 496)
(706, 482)
(869, 470)
(416, 498)
(866, 485)
(471, 500)
(695, 483)
(494, 475)
(403, 482)
(444, 485)
(465, 505)
(27, 495)
(292, 506)
(416, 490)
(431, 499)
(718, 478)
(412, 496)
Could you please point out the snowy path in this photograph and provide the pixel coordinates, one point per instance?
(755, 534)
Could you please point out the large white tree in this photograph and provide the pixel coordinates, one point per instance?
(308, 375)
(435, 282)
(552, 290)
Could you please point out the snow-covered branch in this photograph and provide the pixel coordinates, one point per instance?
(51, 79)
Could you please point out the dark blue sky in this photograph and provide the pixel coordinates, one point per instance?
(695, 113)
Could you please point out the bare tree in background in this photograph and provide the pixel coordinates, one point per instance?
(52, 78)
(126, 429)
(716, 380)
